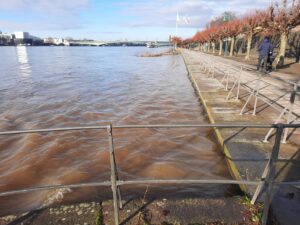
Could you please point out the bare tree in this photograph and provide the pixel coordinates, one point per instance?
(284, 17)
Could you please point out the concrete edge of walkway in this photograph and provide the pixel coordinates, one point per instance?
(232, 167)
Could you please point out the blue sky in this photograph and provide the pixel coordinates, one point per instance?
(115, 19)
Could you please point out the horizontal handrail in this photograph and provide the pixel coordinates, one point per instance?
(115, 183)
(52, 130)
(215, 125)
(50, 187)
(137, 182)
(224, 125)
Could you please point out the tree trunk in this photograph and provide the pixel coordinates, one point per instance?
(213, 47)
(232, 46)
(249, 42)
(220, 47)
(208, 47)
(283, 43)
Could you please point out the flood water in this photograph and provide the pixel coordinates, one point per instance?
(47, 87)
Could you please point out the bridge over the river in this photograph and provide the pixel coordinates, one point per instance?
(117, 43)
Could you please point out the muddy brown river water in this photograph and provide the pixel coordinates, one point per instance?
(47, 87)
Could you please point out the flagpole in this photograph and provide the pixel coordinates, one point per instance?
(177, 20)
(177, 25)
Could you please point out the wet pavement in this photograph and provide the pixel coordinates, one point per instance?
(245, 150)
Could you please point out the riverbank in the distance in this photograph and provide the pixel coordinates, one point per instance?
(96, 44)
(79, 45)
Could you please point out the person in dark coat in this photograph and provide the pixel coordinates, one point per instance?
(264, 50)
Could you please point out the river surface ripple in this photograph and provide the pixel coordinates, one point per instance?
(47, 87)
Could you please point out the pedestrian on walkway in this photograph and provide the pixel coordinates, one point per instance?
(264, 50)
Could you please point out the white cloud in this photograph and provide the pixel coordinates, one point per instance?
(37, 15)
(44, 14)
(40, 25)
(53, 7)
(163, 12)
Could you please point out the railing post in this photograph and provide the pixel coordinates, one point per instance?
(254, 93)
(118, 188)
(261, 183)
(239, 84)
(116, 171)
(276, 122)
(271, 174)
(290, 113)
(113, 173)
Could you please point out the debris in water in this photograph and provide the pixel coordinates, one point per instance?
(57, 196)
(170, 52)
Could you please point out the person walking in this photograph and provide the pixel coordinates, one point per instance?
(264, 50)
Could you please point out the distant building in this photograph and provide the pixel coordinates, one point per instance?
(22, 35)
(6, 39)
(56, 41)
(24, 38)
(48, 41)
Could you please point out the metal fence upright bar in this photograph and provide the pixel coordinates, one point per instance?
(272, 171)
(239, 84)
(113, 174)
(227, 80)
(261, 183)
(290, 113)
(255, 94)
(289, 110)
(118, 187)
(276, 122)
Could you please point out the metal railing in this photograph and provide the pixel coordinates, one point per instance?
(267, 180)
(237, 75)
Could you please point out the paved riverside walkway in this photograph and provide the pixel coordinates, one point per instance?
(245, 150)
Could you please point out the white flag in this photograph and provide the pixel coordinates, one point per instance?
(186, 20)
(177, 19)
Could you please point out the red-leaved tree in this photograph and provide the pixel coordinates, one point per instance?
(284, 17)
(176, 41)
(252, 24)
(234, 28)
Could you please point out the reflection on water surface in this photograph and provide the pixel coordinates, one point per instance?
(93, 86)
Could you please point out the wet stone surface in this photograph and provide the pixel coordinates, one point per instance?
(83, 214)
(230, 210)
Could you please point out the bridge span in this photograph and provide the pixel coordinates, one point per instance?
(117, 43)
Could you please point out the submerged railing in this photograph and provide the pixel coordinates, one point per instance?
(267, 181)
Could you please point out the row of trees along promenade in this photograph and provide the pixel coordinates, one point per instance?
(277, 21)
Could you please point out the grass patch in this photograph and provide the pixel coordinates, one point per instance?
(99, 216)
(253, 212)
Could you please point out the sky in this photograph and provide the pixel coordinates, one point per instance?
(110, 20)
